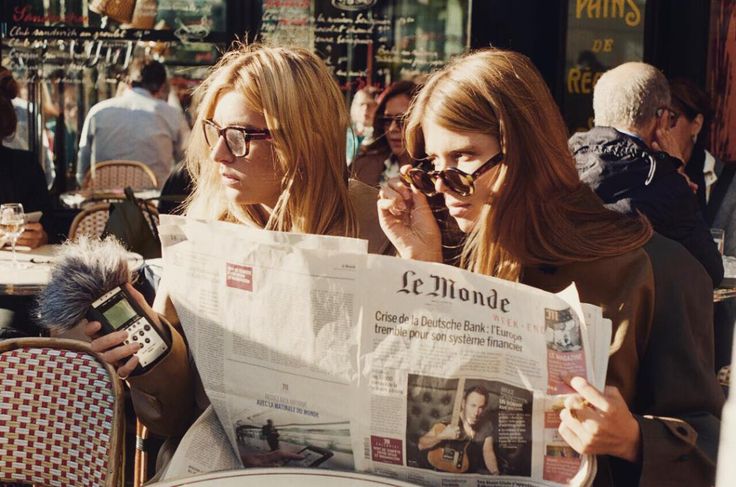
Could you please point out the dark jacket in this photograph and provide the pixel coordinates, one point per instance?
(630, 177)
(661, 358)
(23, 181)
(694, 170)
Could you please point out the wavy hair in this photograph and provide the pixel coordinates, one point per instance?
(307, 118)
(541, 212)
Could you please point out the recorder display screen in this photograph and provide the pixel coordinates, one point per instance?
(119, 313)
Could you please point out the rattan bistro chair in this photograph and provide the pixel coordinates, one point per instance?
(119, 174)
(61, 415)
(90, 221)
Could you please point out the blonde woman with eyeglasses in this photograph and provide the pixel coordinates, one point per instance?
(489, 126)
(267, 150)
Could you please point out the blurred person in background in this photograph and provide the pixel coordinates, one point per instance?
(21, 181)
(630, 161)
(381, 159)
(691, 108)
(136, 126)
(690, 134)
(21, 178)
(70, 132)
(498, 146)
(362, 113)
(19, 139)
(716, 192)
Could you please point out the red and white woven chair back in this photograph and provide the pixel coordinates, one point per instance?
(90, 221)
(61, 415)
(120, 174)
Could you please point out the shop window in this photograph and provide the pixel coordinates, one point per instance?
(370, 42)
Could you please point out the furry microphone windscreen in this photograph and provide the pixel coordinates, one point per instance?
(82, 272)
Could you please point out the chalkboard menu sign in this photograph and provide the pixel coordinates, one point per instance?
(370, 41)
(601, 34)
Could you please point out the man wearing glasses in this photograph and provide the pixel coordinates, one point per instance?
(634, 164)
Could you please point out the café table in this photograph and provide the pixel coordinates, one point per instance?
(284, 477)
(35, 271)
(75, 199)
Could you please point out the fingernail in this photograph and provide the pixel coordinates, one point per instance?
(577, 381)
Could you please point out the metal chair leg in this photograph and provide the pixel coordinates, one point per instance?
(140, 473)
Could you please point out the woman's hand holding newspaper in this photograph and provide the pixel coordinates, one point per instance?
(599, 423)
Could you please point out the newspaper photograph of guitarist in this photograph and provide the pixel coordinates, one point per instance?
(465, 443)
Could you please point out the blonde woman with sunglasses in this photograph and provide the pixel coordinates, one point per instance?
(489, 126)
(267, 150)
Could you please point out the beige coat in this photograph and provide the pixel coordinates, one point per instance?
(369, 165)
(659, 299)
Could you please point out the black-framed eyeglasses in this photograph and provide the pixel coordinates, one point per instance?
(386, 121)
(458, 181)
(237, 138)
(673, 115)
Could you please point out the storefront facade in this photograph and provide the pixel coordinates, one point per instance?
(83, 47)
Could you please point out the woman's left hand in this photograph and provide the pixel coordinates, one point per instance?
(407, 220)
(33, 236)
(600, 423)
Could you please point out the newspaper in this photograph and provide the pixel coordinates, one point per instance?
(417, 371)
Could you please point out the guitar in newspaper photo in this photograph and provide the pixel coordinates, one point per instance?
(452, 455)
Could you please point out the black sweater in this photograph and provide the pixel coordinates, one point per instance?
(22, 181)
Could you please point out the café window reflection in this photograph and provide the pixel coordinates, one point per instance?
(371, 42)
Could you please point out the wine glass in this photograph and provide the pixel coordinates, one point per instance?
(12, 224)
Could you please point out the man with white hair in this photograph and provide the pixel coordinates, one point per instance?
(633, 163)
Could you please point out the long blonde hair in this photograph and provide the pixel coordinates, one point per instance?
(541, 213)
(307, 119)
